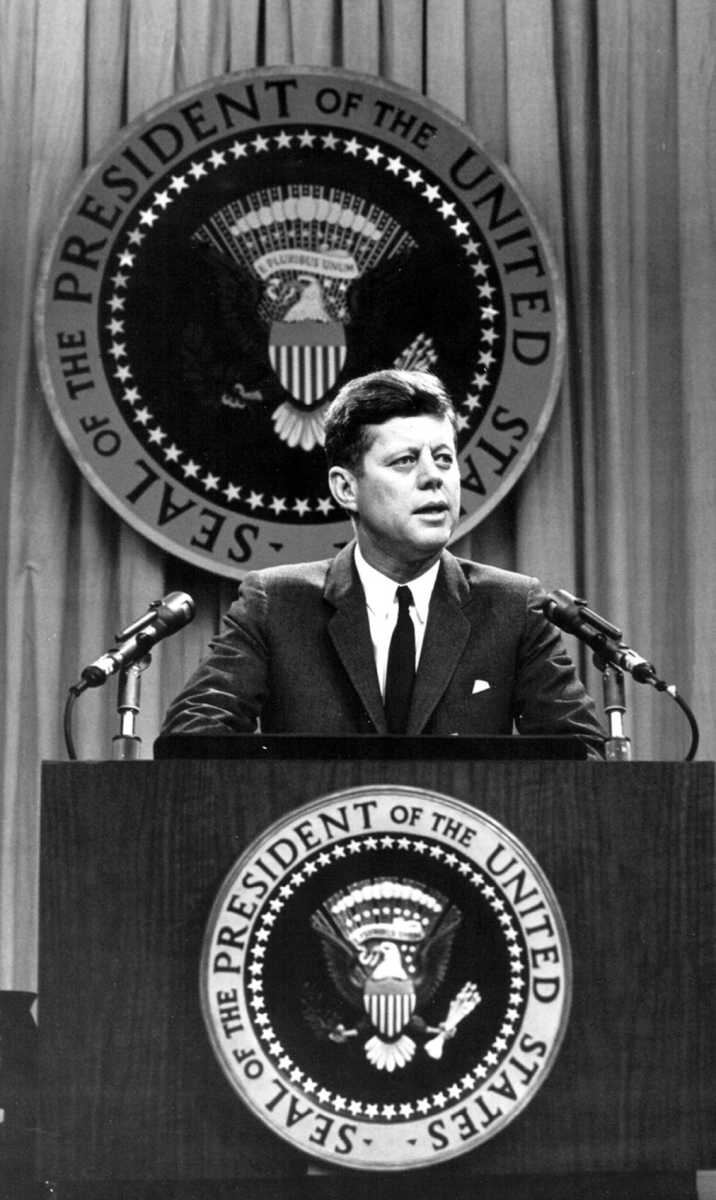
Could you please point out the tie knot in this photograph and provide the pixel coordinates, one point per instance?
(405, 598)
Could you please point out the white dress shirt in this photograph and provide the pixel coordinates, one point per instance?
(380, 596)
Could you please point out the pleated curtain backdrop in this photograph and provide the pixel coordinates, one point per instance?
(604, 111)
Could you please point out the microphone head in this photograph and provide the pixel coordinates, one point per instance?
(572, 614)
(559, 600)
(177, 609)
(171, 614)
(551, 598)
(561, 608)
(173, 611)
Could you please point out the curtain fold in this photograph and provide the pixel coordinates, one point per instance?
(202, 41)
(605, 115)
(695, 302)
(243, 47)
(361, 30)
(313, 32)
(544, 523)
(445, 45)
(403, 42)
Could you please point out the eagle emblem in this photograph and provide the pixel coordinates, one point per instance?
(287, 297)
(387, 944)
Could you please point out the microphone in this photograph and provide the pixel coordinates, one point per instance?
(163, 618)
(571, 614)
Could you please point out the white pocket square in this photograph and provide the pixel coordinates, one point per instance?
(480, 685)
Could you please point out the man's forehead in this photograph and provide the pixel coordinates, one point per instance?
(420, 429)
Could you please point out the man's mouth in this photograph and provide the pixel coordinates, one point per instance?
(437, 507)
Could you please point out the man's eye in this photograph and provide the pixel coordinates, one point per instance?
(444, 460)
(404, 460)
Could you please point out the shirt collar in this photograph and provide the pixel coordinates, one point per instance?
(380, 590)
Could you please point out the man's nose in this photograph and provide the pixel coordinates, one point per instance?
(428, 470)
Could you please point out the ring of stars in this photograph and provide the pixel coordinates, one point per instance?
(214, 486)
(345, 850)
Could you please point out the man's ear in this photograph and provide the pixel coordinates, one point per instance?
(342, 483)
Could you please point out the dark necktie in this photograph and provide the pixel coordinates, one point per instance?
(401, 665)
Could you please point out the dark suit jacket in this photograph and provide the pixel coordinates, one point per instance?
(297, 656)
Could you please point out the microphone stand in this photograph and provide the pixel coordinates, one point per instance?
(126, 744)
(617, 747)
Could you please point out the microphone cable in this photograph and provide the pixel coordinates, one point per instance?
(670, 690)
(72, 695)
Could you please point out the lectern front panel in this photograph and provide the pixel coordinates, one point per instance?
(134, 855)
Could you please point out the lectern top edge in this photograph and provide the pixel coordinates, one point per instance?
(367, 746)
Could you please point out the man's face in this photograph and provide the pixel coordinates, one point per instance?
(405, 495)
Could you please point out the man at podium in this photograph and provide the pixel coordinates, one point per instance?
(395, 634)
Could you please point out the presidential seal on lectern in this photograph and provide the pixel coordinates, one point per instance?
(386, 977)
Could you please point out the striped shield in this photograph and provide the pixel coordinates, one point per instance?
(307, 357)
(390, 1003)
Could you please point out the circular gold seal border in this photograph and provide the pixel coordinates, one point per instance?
(437, 1125)
(92, 240)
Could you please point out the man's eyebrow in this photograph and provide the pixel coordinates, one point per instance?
(415, 448)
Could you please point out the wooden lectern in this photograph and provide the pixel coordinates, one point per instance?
(133, 855)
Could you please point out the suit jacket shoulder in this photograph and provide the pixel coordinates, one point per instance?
(478, 574)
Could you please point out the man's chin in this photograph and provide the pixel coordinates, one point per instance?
(432, 541)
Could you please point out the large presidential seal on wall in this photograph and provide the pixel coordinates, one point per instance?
(244, 249)
(386, 978)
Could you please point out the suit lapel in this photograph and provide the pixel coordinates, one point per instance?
(350, 633)
(446, 636)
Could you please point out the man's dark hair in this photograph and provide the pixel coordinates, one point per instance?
(372, 400)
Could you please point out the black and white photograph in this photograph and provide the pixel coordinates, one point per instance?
(358, 536)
